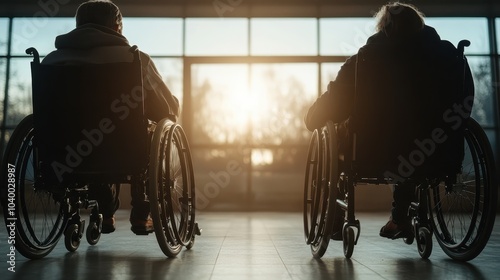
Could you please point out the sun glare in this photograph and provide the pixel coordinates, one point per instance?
(262, 157)
(256, 104)
(240, 106)
(246, 107)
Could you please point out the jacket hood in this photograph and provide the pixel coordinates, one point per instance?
(427, 35)
(90, 36)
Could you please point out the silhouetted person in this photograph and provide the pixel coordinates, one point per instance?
(98, 39)
(398, 25)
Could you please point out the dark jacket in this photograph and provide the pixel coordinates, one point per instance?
(91, 43)
(336, 103)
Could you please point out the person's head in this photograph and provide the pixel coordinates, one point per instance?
(399, 19)
(101, 12)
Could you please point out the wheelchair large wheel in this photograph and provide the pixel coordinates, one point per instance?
(31, 212)
(182, 186)
(463, 212)
(172, 189)
(327, 192)
(312, 181)
(318, 246)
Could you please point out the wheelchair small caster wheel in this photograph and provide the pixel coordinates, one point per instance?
(190, 244)
(93, 233)
(348, 241)
(424, 242)
(409, 240)
(72, 238)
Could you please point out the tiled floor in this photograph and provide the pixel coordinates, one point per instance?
(259, 245)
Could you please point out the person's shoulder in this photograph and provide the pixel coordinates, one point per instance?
(144, 55)
(378, 50)
(377, 38)
(145, 58)
(378, 42)
(430, 33)
(49, 58)
(434, 43)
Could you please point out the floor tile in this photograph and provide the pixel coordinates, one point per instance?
(254, 245)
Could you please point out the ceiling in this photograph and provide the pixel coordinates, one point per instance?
(249, 8)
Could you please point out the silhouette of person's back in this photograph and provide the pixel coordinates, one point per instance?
(394, 98)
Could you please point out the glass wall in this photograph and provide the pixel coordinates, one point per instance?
(344, 36)
(38, 32)
(295, 37)
(4, 31)
(245, 85)
(19, 100)
(212, 37)
(167, 42)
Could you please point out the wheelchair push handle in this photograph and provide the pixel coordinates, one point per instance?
(32, 51)
(462, 44)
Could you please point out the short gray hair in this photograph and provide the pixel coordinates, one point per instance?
(101, 12)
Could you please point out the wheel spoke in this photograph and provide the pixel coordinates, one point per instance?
(463, 213)
(177, 188)
(40, 222)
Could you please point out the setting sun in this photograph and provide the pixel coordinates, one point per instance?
(252, 103)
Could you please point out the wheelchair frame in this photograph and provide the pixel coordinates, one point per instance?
(42, 211)
(458, 209)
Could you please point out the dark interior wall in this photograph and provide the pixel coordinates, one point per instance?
(250, 8)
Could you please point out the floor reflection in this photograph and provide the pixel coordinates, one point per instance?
(257, 245)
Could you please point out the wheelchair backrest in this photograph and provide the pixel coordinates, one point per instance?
(89, 121)
(403, 120)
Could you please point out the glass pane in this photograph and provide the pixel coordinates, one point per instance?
(19, 104)
(3, 62)
(8, 134)
(483, 109)
(329, 73)
(344, 36)
(219, 103)
(166, 39)
(227, 36)
(492, 137)
(497, 26)
(280, 96)
(39, 33)
(455, 29)
(171, 71)
(4, 29)
(284, 36)
(277, 185)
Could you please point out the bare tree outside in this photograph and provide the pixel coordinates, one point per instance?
(483, 110)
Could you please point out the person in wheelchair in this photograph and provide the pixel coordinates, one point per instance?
(398, 26)
(98, 39)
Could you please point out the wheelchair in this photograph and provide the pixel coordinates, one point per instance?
(454, 178)
(88, 129)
